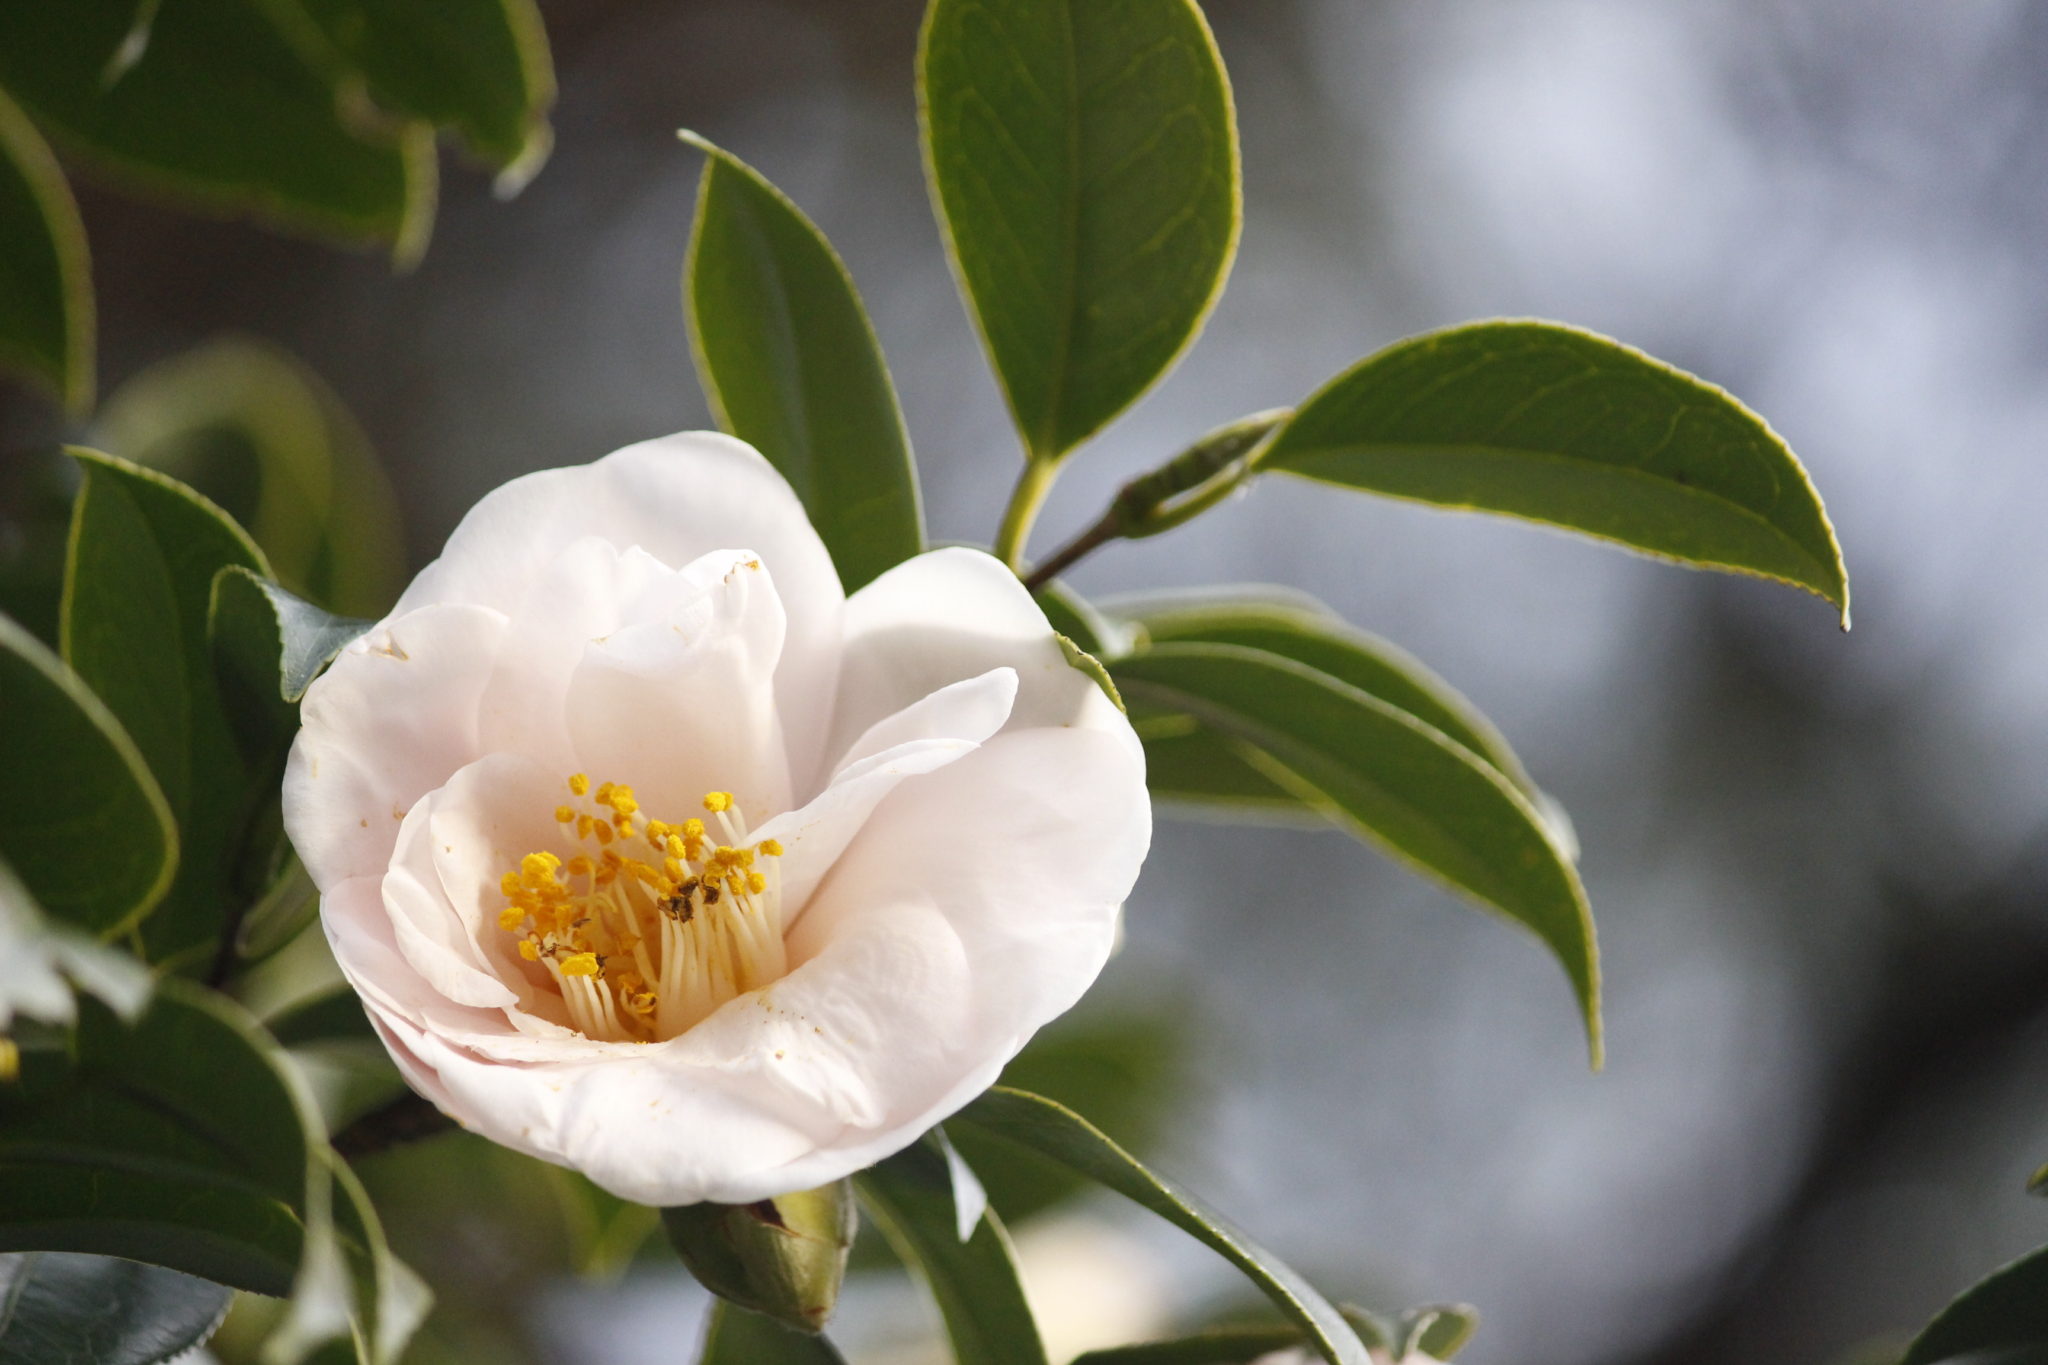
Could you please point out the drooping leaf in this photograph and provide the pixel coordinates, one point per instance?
(176, 1142)
(252, 429)
(46, 318)
(912, 1199)
(82, 822)
(738, 1337)
(480, 67)
(791, 365)
(2005, 1311)
(137, 599)
(1317, 637)
(1426, 798)
(220, 110)
(1083, 162)
(1218, 1346)
(66, 1309)
(1057, 1132)
(1561, 426)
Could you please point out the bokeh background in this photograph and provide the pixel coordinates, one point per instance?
(1817, 861)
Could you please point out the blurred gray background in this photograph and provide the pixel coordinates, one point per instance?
(1817, 860)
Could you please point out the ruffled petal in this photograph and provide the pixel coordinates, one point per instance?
(677, 498)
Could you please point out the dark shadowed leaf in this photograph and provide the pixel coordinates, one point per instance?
(1083, 161)
(1219, 1346)
(66, 1309)
(46, 320)
(912, 1198)
(791, 365)
(1424, 797)
(1565, 427)
(480, 67)
(2007, 1311)
(83, 823)
(220, 110)
(1057, 1132)
(138, 596)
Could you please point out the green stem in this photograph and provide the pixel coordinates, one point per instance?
(1025, 500)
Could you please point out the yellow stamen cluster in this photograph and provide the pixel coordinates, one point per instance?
(653, 925)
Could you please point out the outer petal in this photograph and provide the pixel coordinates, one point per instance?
(678, 498)
(978, 903)
(387, 723)
(953, 614)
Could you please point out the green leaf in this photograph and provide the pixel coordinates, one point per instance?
(784, 1256)
(246, 425)
(1199, 772)
(1218, 1346)
(222, 111)
(1311, 634)
(76, 783)
(1077, 619)
(336, 1016)
(1083, 161)
(1561, 426)
(790, 364)
(176, 1142)
(912, 1198)
(478, 66)
(1057, 1132)
(184, 1142)
(1437, 1330)
(138, 595)
(58, 1308)
(1426, 798)
(46, 318)
(2008, 1310)
(738, 1337)
(269, 640)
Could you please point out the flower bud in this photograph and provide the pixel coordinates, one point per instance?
(784, 1257)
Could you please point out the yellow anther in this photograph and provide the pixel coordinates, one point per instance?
(563, 815)
(509, 885)
(756, 883)
(693, 828)
(674, 868)
(717, 801)
(625, 828)
(580, 964)
(602, 831)
(657, 830)
(580, 784)
(675, 847)
(580, 866)
(771, 847)
(604, 795)
(539, 866)
(622, 800)
(511, 917)
(529, 950)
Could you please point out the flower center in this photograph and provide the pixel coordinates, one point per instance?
(653, 925)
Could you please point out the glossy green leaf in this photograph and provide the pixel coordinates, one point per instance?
(138, 595)
(2006, 1311)
(737, 1337)
(46, 318)
(1427, 799)
(791, 365)
(220, 110)
(480, 67)
(784, 1256)
(1564, 427)
(911, 1198)
(58, 1308)
(1219, 1346)
(176, 1142)
(1057, 1132)
(1199, 772)
(1316, 637)
(1074, 617)
(76, 782)
(1437, 1330)
(252, 429)
(36, 487)
(1083, 162)
(269, 639)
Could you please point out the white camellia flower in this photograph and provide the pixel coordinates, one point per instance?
(653, 854)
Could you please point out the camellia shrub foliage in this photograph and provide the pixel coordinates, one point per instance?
(690, 824)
